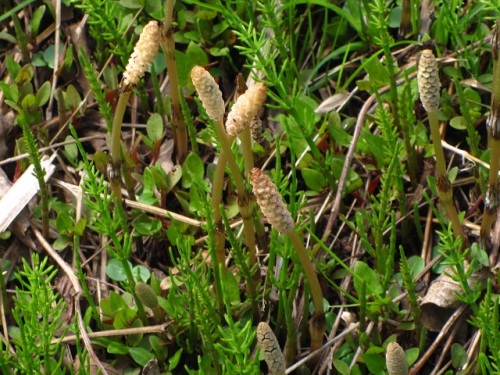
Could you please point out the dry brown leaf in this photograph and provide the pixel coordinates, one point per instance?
(332, 103)
(441, 300)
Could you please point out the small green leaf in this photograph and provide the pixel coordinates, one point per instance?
(341, 137)
(314, 179)
(64, 222)
(141, 273)
(363, 273)
(395, 17)
(194, 170)
(480, 255)
(79, 228)
(130, 4)
(115, 271)
(377, 71)
(341, 367)
(174, 360)
(452, 174)
(5, 88)
(72, 98)
(140, 355)
(452, 72)
(135, 339)
(101, 160)
(35, 20)
(146, 226)
(412, 355)
(160, 177)
(116, 347)
(61, 243)
(9, 38)
(159, 346)
(25, 75)
(29, 103)
(375, 363)
(12, 66)
(49, 55)
(458, 355)
(68, 57)
(231, 288)
(473, 99)
(154, 127)
(417, 264)
(71, 149)
(458, 123)
(43, 94)
(194, 55)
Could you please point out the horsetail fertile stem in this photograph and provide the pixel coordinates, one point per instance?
(241, 116)
(492, 198)
(144, 52)
(274, 209)
(211, 98)
(428, 87)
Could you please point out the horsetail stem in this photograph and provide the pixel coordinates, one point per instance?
(144, 52)
(428, 87)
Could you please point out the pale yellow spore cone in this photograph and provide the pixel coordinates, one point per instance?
(144, 52)
(270, 202)
(245, 109)
(208, 92)
(428, 81)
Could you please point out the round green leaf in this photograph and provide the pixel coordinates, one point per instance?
(141, 355)
(43, 94)
(115, 271)
(458, 123)
(363, 272)
(314, 179)
(154, 127)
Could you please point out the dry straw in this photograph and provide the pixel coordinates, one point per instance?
(208, 92)
(245, 109)
(270, 348)
(144, 52)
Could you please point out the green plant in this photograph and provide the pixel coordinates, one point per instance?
(39, 315)
(107, 24)
(109, 223)
(184, 274)
(20, 96)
